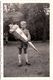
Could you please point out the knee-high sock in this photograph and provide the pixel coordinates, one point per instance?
(26, 57)
(19, 58)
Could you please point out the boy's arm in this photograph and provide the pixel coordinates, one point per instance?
(29, 36)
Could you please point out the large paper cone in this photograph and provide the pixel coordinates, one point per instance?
(18, 33)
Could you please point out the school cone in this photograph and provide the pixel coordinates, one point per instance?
(18, 33)
(33, 47)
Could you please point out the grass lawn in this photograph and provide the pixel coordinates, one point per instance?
(39, 62)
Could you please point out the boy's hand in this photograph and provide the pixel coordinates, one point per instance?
(27, 40)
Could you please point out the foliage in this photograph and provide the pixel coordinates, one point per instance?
(37, 20)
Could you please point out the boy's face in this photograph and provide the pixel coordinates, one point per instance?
(23, 25)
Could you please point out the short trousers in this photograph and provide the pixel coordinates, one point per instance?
(21, 44)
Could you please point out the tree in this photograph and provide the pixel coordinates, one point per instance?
(36, 19)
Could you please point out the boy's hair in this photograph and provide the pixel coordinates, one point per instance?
(23, 22)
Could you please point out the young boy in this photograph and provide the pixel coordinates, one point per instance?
(23, 44)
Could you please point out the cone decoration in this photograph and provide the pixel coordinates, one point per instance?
(18, 33)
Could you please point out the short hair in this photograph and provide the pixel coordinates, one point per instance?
(23, 22)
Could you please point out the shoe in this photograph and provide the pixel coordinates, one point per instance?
(20, 65)
(27, 63)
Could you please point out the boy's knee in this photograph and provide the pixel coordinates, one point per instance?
(20, 50)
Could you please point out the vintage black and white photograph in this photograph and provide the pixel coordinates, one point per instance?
(0, 39)
(26, 39)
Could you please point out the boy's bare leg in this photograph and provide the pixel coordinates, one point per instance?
(26, 57)
(19, 56)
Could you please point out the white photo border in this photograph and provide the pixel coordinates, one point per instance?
(51, 40)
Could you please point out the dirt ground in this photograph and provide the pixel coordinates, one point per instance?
(39, 62)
